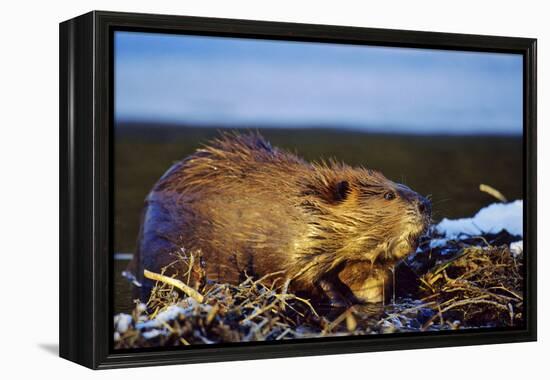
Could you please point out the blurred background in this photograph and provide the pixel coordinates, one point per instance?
(442, 122)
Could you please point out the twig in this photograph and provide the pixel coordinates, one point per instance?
(464, 302)
(492, 191)
(175, 283)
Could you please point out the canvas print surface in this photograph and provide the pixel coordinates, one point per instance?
(272, 190)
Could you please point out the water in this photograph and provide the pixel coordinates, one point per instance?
(123, 289)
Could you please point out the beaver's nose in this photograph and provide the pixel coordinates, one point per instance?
(424, 205)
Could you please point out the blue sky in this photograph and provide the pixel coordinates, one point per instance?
(197, 80)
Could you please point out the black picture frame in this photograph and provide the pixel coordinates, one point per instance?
(86, 213)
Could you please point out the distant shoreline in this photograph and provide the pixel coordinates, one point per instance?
(162, 129)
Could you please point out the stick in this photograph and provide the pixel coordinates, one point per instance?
(176, 284)
(492, 191)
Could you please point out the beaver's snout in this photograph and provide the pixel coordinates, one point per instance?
(421, 204)
(424, 206)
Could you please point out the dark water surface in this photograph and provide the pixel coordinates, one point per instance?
(449, 168)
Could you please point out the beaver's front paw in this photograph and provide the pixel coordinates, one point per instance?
(338, 294)
(368, 285)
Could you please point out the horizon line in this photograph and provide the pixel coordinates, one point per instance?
(379, 129)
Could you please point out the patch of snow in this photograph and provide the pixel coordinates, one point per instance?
(171, 313)
(436, 243)
(147, 324)
(151, 334)
(141, 307)
(130, 277)
(491, 219)
(516, 248)
(122, 322)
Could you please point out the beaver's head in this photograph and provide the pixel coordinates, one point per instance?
(362, 215)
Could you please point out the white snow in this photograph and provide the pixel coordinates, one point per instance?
(130, 277)
(141, 307)
(122, 322)
(151, 334)
(516, 248)
(171, 313)
(436, 243)
(491, 219)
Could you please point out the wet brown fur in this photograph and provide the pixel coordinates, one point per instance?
(249, 207)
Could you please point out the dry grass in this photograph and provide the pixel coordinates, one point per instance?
(253, 310)
(476, 286)
(482, 286)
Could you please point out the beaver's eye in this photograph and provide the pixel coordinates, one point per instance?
(389, 196)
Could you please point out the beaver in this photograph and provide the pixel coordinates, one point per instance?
(326, 229)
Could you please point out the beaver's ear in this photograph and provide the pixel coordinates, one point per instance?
(329, 191)
(341, 191)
